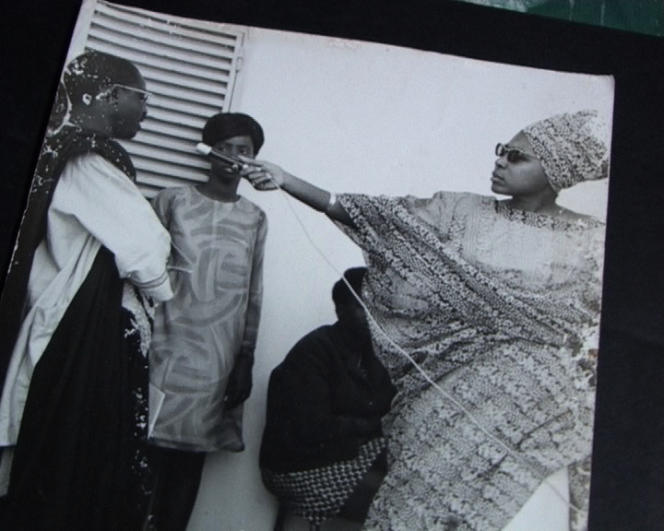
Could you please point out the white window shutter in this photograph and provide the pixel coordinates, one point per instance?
(189, 68)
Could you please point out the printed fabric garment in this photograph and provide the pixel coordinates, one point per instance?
(216, 273)
(320, 493)
(501, 308)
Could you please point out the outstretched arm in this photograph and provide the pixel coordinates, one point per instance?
(264, 175)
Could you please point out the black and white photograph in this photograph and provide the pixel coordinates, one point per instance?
(268, 279)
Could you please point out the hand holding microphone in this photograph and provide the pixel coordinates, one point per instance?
(266, 176)
(235, 164)
(262, 175)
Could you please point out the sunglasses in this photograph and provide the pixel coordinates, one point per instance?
(512, 154)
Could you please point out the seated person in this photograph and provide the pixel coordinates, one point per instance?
(323, 454)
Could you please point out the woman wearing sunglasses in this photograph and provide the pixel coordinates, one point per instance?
(498, 300)
(76, 315)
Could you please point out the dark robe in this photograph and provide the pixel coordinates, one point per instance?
(321, 405)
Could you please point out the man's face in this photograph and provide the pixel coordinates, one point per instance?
(234, 146)
(127, 107)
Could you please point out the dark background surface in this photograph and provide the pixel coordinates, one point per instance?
(628, 467)
(644, 16)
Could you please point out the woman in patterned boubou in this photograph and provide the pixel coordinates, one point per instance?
(77, 311)
(498, 301)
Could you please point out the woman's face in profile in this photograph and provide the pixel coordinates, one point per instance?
(518, 172)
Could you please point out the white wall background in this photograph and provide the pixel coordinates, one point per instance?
(359, 117)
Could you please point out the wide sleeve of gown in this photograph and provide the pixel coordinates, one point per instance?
(104, 201)
(377, 213)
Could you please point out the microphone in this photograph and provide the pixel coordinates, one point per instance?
(235, 164)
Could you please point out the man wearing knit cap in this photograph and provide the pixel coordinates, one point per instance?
(202, 350)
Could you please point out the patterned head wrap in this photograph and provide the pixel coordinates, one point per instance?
(571, 148)
(229, 124)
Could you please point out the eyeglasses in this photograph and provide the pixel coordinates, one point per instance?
(142, 94)
(512, 154)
